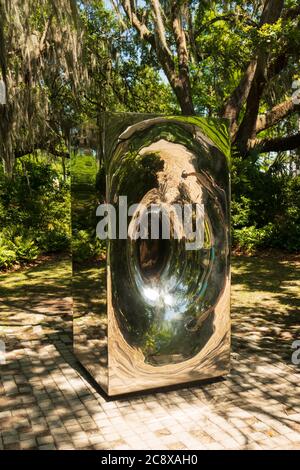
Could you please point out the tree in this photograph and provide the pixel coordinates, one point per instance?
(121, 76)
(40, 66)
(234, 59)
(63, 61)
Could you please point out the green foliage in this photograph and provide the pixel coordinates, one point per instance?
(24, 245)
(249, 239)
(265, 208)
(7, 253)
(86, 246)
(122, 76)
(16, 245)
(55, 240)
(34, 211)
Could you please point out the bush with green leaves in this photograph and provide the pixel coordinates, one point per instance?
(25, 248)
(17, 246)
(265, 209)
(86, 245)
(8, 255)
(34, 211)
(55, 240)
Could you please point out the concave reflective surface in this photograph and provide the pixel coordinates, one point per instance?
(148, 312)
(163, 296)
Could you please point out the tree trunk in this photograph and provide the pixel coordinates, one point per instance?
(8, 166)
(183, 85)
(183, 95)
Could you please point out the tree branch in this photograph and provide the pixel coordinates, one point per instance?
(49, 149)
(195, 56)
(44, 35)
(239, 95)
(291, 13)
(251, 85)
(118, 13)
(278, 144)
(140, 27)
(271, 12)
(163, 54)
(184, 86)
(178, 79)
(276, 114)
(159, 26)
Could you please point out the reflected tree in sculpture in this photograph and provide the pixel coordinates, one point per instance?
(167, 307)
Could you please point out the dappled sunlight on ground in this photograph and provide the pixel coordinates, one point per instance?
(266, 305)
(48, 401)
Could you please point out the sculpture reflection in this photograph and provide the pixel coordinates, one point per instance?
(89, 257)
(167, 306)
(164, 296)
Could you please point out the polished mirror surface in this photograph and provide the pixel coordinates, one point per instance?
(164, 287)
(88, 255)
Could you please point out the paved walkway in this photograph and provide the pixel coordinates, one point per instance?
(47, 401)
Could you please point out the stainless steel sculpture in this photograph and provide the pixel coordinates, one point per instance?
(149, 312)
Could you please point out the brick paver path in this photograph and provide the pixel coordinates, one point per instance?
(47, 401)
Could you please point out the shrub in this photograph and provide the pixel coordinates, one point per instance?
(25, 247)
(86, 246)
(265, 209)
(250, 239)
(54, 241)
(34, 210)
(7, 253)
(21, 242)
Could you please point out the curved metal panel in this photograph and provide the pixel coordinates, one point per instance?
(168, 306)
